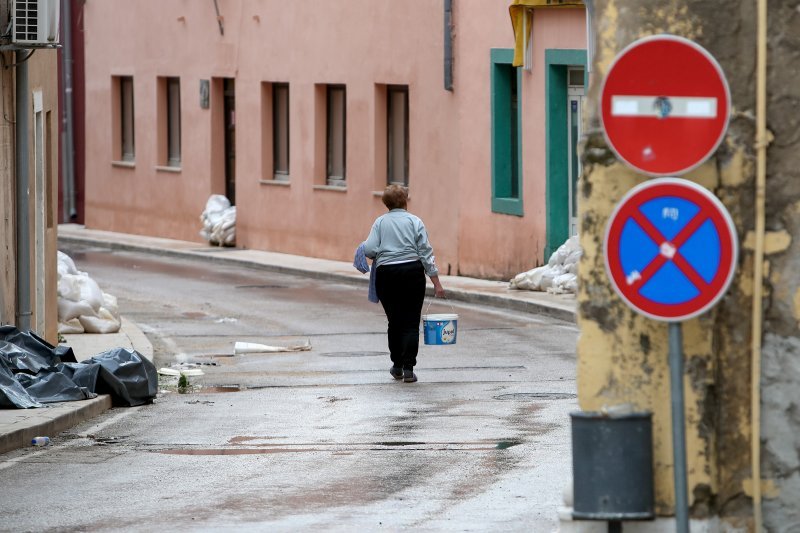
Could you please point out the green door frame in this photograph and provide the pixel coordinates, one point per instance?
(556, 141)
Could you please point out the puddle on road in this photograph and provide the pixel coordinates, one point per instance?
(537, 396)
(354, 354)
(471, 446)
(224, 388)
(235, 451)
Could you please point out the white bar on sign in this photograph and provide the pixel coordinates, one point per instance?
(705, 107)
(621, 107)
(664, 106)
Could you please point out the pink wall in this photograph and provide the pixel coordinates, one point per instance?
(359, 43)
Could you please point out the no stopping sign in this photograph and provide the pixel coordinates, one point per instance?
(670, 249)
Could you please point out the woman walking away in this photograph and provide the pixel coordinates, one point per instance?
(399, 245)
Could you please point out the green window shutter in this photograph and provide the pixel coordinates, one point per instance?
(506, 111)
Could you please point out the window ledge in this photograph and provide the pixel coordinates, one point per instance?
(280, 183)
(163, 168)
(336, 188)
(124, 164)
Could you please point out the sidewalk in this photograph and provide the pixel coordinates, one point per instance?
(19, 426)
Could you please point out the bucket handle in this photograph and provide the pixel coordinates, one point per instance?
(431, 301)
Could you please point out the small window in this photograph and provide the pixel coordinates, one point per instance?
(173, 122)
(336, 134)
(280, 131)
(128, 148)
(576, 77)
(397, 134)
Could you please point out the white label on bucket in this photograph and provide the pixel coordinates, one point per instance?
(448, 333)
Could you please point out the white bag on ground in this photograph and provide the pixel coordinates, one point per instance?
(558, 276)
(219, 221)
(82, 306)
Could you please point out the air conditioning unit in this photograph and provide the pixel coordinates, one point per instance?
(35, 23)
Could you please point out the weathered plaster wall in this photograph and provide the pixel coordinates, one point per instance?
(623, 357)
(780, 428)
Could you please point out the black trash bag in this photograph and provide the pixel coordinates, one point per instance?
(33, 344)
(12, 393)
(81, 374)
(127, 376)
(50, 386)
(21, 360)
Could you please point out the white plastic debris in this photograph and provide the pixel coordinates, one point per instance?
(219, 221)
(558, 276)
(253, 347)
(82, 306)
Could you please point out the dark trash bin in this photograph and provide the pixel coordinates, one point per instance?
(612, 464)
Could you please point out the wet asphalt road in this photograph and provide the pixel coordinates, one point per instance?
(322, 439)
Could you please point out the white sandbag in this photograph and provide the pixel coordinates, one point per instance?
(70, 326)
(573, 257)
(535, 277)
(110, 303)
(69, 286)
(563, 262)
(563, 283)
(91, 293)
(219, 221)
(68, 310)
(97, 324)
(65, 264)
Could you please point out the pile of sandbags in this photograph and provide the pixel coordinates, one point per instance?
(558, 276)
(219, 221)
(82, 306)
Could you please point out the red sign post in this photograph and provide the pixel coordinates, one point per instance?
(665, 105)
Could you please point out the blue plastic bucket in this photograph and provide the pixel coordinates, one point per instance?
(440, 329)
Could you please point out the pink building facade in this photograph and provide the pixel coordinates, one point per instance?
(302, 112)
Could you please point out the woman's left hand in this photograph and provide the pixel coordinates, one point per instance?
(438, 290)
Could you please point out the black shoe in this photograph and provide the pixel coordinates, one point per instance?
(396, 372)
(409, 376)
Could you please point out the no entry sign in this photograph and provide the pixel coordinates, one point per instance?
(664, 105)
(670, 249)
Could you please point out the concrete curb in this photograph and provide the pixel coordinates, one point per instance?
(50, 420)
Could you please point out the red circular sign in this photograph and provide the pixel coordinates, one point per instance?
(670, 249)
(665, 105)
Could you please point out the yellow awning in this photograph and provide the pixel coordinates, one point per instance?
(520, 11)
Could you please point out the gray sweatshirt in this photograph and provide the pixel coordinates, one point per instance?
(397, 237)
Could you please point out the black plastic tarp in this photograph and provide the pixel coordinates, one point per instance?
(33, 372)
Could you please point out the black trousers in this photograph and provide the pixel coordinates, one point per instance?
(401, 290)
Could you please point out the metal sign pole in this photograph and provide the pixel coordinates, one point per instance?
(678, 427)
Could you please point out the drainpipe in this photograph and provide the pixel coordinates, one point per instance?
(23, 207)
(758, 260)
(448, 45)
(68, 139)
